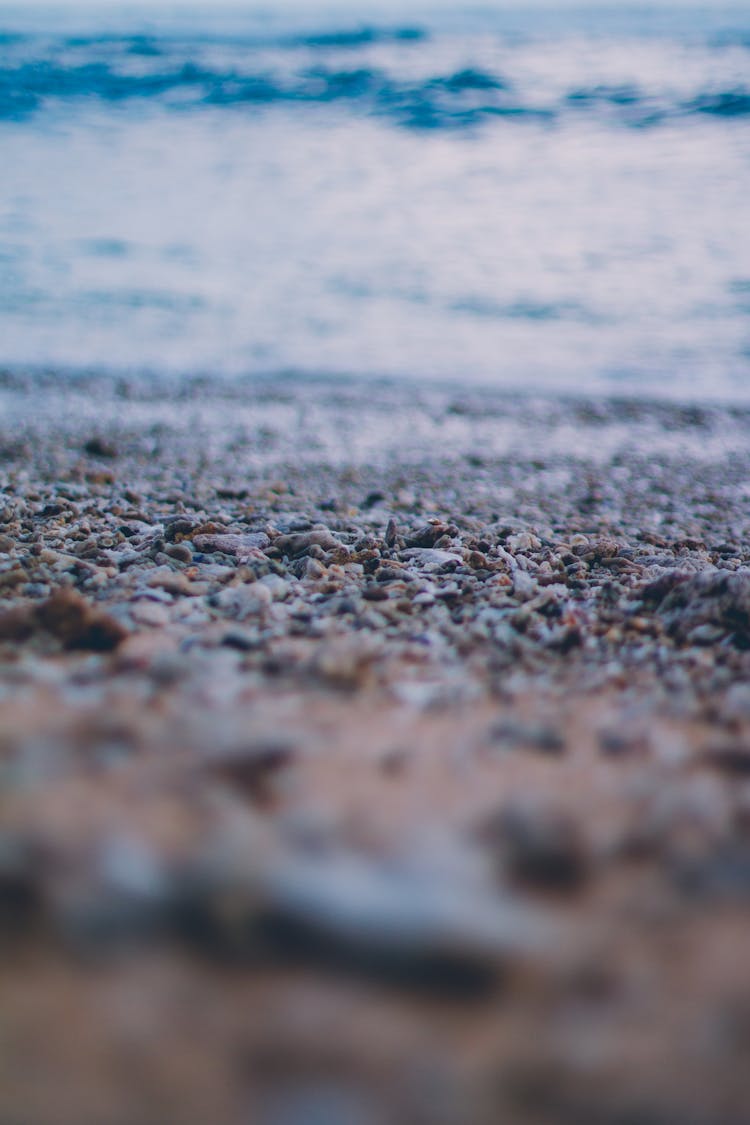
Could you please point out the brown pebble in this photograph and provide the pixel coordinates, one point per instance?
(428, 535)
(17, 624)
(79, 624)
(375, 594)
(11, 578)
(298, 544)
(179, 551)
(255, 771)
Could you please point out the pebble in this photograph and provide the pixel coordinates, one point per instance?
(65, 615)
(302, 542)
(169, 580)
(242, 602)
(150, 613)
(430, 559)
(179, 551)
(280, 587)
(523, 541)
(440, 934)
(12, 578)
(536, 846)
(545, 739)
(246, 546)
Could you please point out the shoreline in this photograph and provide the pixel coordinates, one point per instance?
(317, 708)
(149, 382)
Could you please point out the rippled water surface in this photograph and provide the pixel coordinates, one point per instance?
(556, 198)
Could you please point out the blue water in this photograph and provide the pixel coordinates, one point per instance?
(520, 195)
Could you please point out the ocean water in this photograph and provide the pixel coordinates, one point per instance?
(519, 195)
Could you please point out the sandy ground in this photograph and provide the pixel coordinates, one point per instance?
(372, 755)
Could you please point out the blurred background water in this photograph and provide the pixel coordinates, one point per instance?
(526, 196)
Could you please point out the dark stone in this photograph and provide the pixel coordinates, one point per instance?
(428, 535)
(78, 624)
(98, 447)
(730, 759)
(371, 500)
(375, 594)
(253, 771)
(536, 847)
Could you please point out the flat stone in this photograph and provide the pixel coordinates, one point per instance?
(247, 546)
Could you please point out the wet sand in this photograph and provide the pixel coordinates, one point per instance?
(372, 754)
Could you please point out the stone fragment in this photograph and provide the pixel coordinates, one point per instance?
(537, 736)
(523, 541)
(717, 599)
(178, 529)
(375, 594)
(77, 623)
(179, 551)
(524, 586)
(99, 447)
(428, 535)
(429, 931)
(427, 558)
(300, 543)
(254, 770)
(174, 582)
(536, 846)
(147, 612)
(18, 623)
(346, 664)
(11, 578)
(243, 601)
(246, 546)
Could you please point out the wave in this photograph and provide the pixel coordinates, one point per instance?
(363, 37)
(344, 39)
(185, 76)
(455, 98)
(725, 103)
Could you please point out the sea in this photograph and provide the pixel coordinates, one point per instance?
(545, 196)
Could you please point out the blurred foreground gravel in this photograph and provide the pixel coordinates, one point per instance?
(372, 755)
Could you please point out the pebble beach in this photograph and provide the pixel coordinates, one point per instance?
(372, 753)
